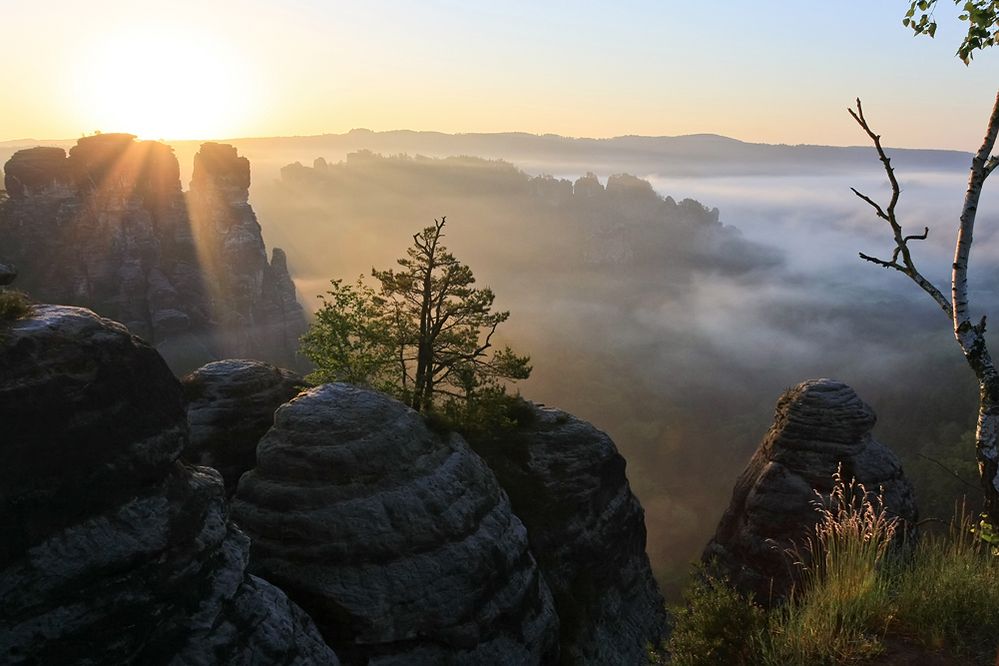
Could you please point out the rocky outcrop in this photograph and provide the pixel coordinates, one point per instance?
(108, 227)
(396, 539)
(230, 405)
(567, 483)
(7, 274)
(820, 426)
(110, 550)
(257, 296)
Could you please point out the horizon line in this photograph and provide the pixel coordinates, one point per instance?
(353, 130)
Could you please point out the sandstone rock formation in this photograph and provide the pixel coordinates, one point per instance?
(819, 426)
(110, 550)
(396, 539)
(257, 296)
(567, 483)
(108, 228)
(230, 405)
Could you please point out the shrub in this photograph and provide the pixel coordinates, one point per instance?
(13, 305)
(714, 625)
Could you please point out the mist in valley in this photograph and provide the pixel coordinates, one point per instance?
(672, 310)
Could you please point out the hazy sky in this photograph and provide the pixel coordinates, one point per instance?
(769, 71)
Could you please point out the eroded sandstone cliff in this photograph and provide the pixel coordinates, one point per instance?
(108, 227)
(567, 483)
(397, 539)
(110, 550)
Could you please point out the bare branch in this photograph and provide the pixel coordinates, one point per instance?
(887, 213)
(881, 262)
(873, 204)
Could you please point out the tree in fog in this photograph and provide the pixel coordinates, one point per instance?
(425, 334)
(981, 17)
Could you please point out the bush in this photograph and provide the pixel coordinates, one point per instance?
(13, 305)
(714, 625)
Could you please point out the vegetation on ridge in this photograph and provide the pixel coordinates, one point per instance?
(425, 335)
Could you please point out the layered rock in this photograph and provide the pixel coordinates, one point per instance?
(397, 539)
(230, 405)
(567, 483)
(820, 427)
(110, 550)
(108, 227)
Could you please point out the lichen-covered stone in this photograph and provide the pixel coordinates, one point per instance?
(820, 426)
(111, 551)
(567, 483)
(230, 405)
(396, 539)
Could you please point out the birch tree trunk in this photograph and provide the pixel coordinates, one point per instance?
(971, 336)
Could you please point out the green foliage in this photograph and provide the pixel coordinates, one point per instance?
(13, 305)
(424, 335)
(715, 625)
(350, 341)
(982, 17)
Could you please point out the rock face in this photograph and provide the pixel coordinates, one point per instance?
(107, 227)
(230, 405)
(567, 483)
(257, 296)
(819, 426)
(110, 550)
(397, 540)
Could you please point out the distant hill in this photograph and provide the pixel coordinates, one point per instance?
(695, 155)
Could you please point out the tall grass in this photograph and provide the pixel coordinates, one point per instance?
(839, 614)
(948, 595)
(856, 590)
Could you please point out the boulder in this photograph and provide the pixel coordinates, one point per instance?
(111, 551)
(397, 539)
(820, 427)
(230, 405)
(566, 481)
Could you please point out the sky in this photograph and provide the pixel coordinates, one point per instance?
(766, 71)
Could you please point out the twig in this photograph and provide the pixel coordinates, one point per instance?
(949, 471)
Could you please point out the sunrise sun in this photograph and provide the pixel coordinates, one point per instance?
(162, 83)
